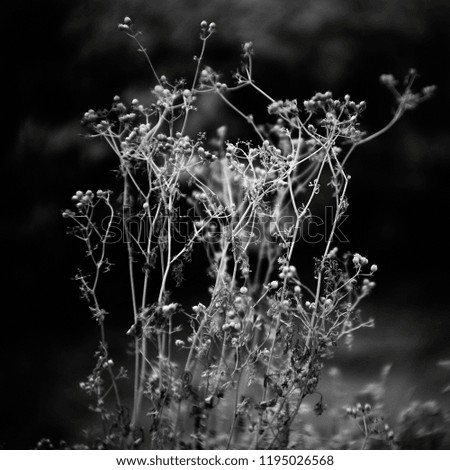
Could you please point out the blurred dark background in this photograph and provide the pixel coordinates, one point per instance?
(63, 57)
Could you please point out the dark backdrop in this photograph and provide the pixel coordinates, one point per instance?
(62, 57)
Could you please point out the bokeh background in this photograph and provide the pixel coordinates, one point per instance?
(62, 57)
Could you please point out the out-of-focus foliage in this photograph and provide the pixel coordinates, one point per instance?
(424, 426)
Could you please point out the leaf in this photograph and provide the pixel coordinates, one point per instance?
(266, 404)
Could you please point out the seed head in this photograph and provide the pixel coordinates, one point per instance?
(231, 314)
(388, 79)
(248, 48)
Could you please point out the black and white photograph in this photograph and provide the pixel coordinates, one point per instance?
(225, 227)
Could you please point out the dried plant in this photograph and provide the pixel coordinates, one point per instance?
(256, 349)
